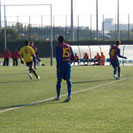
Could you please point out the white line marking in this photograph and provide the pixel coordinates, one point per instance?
(52, 98)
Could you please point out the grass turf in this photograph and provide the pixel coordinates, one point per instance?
(106, 109)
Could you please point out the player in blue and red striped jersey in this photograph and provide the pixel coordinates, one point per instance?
(114, 54)
(64, 58)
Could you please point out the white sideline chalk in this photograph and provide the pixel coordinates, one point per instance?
(52, 98)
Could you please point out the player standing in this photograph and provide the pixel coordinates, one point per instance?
(64, 58)
(114, 54)
(27, 53)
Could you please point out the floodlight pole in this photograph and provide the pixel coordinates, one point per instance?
(5, 29)
(72, 31)
(0, 15)
(51, 32)
(97, 33)
(118, 24)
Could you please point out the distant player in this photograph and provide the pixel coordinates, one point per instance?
(27, 53)
(102, 59)
(76, 59)
(34, 57)
(114, 54)
(64, 58)
(86, 58)
(97, 59)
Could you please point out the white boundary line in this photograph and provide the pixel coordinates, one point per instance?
(52, 98)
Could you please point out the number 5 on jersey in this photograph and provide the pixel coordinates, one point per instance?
(66, 52)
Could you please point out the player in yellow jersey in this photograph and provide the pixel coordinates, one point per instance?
(27, 54)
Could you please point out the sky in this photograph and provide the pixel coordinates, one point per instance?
(61, 9)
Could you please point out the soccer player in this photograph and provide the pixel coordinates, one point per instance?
(86, 58)
(76, 59)
(27, 53)
(34, 57)
(97, 59)
(114, 54)
(102, 59)
(64, 58)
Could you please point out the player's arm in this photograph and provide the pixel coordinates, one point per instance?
(58, 56)
(119, 55)
(72, 57)
(20, 56)
(21, 59)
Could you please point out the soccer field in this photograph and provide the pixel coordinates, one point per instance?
(100, 104)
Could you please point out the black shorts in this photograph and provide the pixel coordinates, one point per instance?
(29, 63)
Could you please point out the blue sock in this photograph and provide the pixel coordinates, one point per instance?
(69, 86)
(58, 88)
(119, 71)
(114, 70)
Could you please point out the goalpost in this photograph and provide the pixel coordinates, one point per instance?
(51, 29)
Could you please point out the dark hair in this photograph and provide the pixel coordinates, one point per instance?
(61, 39)
(26, 42)
(118, 42)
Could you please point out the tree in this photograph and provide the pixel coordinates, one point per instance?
(12, 34)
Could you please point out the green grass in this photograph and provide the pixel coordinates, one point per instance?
(105, 109)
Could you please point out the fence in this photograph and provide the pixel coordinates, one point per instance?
(84, 27)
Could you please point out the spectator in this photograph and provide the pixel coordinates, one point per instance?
(102, 59)
(97, 59)
(76, 59)
(86, 58)
(15, 56)
(6, 55)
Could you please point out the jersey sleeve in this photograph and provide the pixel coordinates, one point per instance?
(72, 57)
(119, 55)
(58, 56)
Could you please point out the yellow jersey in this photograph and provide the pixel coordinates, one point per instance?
(27, 53)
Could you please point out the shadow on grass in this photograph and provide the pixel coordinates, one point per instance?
(14, 82)
(52, 101)
(90, 81)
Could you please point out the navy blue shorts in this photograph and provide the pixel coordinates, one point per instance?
(64, 71)
(115, 64)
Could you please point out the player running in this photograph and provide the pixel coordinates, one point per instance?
(114, 54)
(64, 58)
(27, 53)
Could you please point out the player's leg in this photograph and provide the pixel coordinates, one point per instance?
(119, 70)
(13, 62)
(7, 61)
(69, 86)
(31, 70)
(4, 62)
(69, 83)
(35, 62)
(16, 62)
(74, 63)
(58, 84)
(114, 66)
(58, 89)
